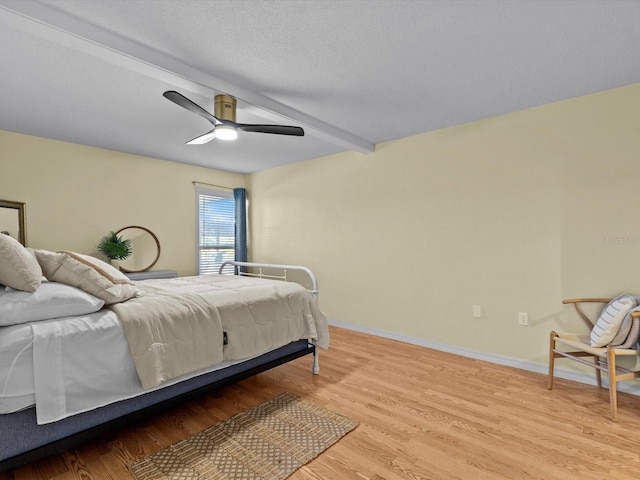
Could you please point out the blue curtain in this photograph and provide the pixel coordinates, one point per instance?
(240, 197)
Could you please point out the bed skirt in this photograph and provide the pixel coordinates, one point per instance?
(23, 441)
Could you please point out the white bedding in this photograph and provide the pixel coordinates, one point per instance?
(75, 379)
(16, 368)
(79, 364)
(75, 364)
(89, 350)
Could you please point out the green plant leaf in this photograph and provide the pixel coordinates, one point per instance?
(114, 247)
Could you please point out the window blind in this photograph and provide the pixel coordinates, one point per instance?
(216, 229)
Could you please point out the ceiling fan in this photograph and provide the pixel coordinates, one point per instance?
(224, 120)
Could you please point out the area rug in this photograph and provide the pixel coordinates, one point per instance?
(268, 442)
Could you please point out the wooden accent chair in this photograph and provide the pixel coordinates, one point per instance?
(604, 358)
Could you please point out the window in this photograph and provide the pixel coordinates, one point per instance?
(216, 229)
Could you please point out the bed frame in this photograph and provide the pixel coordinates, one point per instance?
(22, 441)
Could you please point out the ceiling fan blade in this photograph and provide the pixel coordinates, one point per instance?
(204, 138)
(184, 102)
(276, 129)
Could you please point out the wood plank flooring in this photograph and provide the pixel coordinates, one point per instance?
(424, 415)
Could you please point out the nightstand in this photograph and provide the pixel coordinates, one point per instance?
(151, 274)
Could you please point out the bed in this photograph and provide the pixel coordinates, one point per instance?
(65, 380)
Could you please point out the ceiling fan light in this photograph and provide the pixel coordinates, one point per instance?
(226, 132)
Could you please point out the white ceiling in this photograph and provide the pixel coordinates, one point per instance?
(352, 73)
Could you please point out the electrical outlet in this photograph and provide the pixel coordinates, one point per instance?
(523, 319)
(477, 311)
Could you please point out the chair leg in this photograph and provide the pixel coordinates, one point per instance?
(613, 394)
(596, 360)
(552, 357)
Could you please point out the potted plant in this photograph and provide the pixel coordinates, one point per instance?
(114, 247)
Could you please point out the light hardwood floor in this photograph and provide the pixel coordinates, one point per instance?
(423, 414)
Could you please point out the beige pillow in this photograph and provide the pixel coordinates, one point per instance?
(86, 273)
(19, 269)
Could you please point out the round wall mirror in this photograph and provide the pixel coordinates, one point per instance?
(145, 249)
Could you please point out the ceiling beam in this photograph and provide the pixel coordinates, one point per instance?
(46, 22)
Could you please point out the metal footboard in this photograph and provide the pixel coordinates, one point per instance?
(260, 267)
(258, 271)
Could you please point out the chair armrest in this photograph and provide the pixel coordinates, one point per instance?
(576, 303)
(586, 300)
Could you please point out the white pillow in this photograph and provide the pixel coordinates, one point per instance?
(610, 320)
(50, 300)
(18, 267)
(86, 273)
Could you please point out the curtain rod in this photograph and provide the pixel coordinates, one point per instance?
(211, 185)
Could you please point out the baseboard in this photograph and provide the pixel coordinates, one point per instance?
(628, 387)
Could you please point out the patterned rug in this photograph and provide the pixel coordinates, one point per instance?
(268, 442)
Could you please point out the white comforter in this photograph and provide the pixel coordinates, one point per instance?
(176, 326)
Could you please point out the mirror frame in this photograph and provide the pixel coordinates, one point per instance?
(22, 224)
(125, 270)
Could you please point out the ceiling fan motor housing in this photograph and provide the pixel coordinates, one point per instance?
(225, 107)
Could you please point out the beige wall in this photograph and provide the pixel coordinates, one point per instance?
(512, 213)
(75, 194)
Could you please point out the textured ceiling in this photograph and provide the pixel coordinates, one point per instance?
(352, 73)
